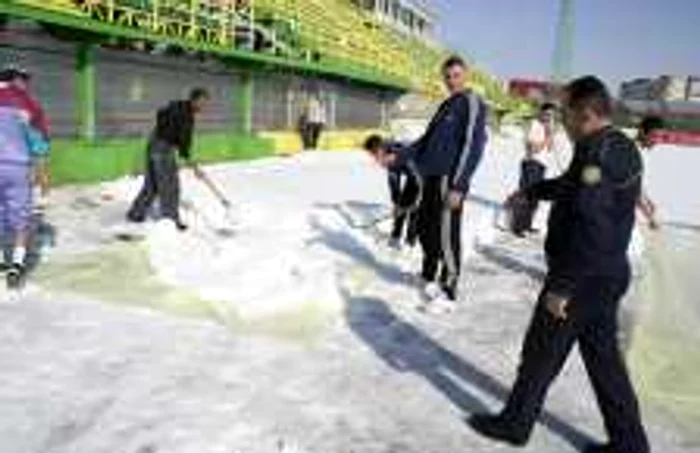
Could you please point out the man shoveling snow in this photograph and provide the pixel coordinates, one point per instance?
(173, 130)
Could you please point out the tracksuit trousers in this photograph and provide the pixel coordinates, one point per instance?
(405, 219)
(439, 233)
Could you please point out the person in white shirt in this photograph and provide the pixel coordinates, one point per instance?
(646, 141)
(315, 121)
(538, 146)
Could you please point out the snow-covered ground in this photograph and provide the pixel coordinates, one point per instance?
(299, 332)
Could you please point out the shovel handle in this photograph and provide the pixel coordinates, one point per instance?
(210, 184)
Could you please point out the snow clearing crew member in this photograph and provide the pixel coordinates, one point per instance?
(590, 227)
(173, 130)
(447, 156)
(404, 189)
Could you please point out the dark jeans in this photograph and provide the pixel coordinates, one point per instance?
(160, 180)
(439, 232)
(311, 133)
(531, 172)
(592, 323)
(404, 203)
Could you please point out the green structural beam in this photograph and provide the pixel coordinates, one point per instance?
(86, 91)
(244, 103)
(329, 67)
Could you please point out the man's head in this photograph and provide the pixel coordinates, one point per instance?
(454, 72)
(587, 107)
(547, 111)
(198, 98)
(374, 144)
(647, 127)
(16, 76)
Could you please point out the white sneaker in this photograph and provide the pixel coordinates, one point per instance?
(432, 291)
(441, 305)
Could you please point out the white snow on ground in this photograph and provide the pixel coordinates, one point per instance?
(300, 330)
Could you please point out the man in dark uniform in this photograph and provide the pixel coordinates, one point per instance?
(590, 227)
(447, 156)
(173, 130)
(404, 190)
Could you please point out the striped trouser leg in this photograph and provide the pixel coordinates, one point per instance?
(451, 245)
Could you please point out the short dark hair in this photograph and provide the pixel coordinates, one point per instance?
(453, 60)
(650, 124)
(199, 93)
(373, 143)
(589, 92)
(548, 106)
(10, 73)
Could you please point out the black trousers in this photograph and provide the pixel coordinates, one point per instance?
(531, 172)
(160, 180)
(439, 232)
(311, 134)
(406, 199)
(592, 323)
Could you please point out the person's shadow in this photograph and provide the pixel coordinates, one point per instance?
(505, 260)
(406, 349)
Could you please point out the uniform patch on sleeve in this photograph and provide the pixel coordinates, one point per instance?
(591, 175)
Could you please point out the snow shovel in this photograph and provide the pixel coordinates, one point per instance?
(225, 232)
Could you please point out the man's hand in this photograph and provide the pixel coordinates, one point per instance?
(514, 199)
(557, 306)
(654, 224)
(386, 159)
(455, 199)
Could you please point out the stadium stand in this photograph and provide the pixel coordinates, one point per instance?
(323, 32)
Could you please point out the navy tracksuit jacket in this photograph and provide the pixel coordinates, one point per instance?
(453, 143)
(446, 157)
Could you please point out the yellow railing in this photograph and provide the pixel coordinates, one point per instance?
(323, 30)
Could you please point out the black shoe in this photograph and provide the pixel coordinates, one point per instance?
(135, 219)
(14, 276)
(599, 448)
(494, 427)
(181, 226)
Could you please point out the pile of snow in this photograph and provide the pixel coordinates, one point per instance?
(278, 252)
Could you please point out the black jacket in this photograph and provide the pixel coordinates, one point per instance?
(175, 125)
(593, 215)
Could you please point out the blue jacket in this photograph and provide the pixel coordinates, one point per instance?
(591, 220)
(453, 143)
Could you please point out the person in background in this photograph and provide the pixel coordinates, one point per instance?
(447, 157)
(404, 189)
(589, 231)
(646, 141)
(24, 147)
(538, 144)
(315, 121)
(173, 131)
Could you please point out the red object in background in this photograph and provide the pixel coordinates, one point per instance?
(534, 90)
(685, 138)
